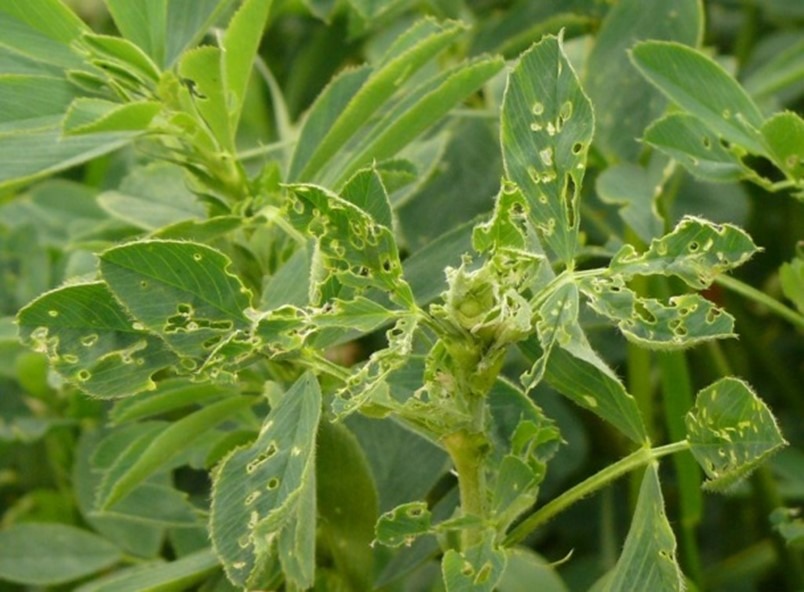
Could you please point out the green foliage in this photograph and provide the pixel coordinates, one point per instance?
(252, 339)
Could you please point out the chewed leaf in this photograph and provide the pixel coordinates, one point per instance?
(686, 319)
(506, 229)
(478, 569)
(731, 431)
(784, 134)
(353, 249)
(648, 560)
(403, 524)
(92, 341)
(261, 492)
(695, 251)
(181, 291)
(546, 128)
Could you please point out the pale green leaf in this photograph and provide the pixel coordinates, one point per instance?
(702, 87)
(347, 503)
(28, 156)
(49, 17)
(92, 342)
(91, 116)
(170, 394)
(648, 560)
(367, 191)
(686, 319)
(623, 109)
(261, 491)
(526, 571)
(173, 509)
(784, 135)
(240, 43)
(478, 569)
(403, 524)
(506, 229)
(328, 127)
(697, 148)
(153, 197)
(359, 313)
(50, 554)
(34, 38)
(791, 277)
(202, 67)
(182, 291)
(696, 251)
(32, 102)
(180, 574)
(731, 431)
(578, 373)
(546, 128)
(117, 55)
(127, 473)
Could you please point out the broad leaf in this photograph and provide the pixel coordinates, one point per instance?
(261, 492)
(546, 128)
(784, 134)
(127, 473)
(92, 341)
(181, 291)
(730, 431)
(30, 103)
(623, 108)
(702, 87)
(695, 251)
(51, 554)
(648, 560)
(367, 191)
(170, 394)
(403, 524)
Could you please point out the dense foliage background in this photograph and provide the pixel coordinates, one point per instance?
(62, 203)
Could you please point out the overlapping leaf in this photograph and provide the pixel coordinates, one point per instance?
(731, 431)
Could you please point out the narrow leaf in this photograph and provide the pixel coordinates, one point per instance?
(170, 394)
(695, 251)
(703, 88)
(648, 560)
(202, 67)
(51, 554)
(546, 128)
(92, 342)
(403, 524)
(259, 490)
(91, 116)
(32, 102)
(731, 431)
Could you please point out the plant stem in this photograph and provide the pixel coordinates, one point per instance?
(635, 460)
(467, 452)
(760, 297)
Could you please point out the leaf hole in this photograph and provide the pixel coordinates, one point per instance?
(53, 313)
(644, 313)
(693, 247)
(707, 143)
(89, 340)
(83, 375)
(538, 108)
(188, 364)
(415, 512)
(569, 199)
(197, 256)
(566, 111)
(272, 484)
(712, 315)
(577, 148)
(144, 284)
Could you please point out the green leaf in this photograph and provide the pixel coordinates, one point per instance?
(478, 569)
(37, 36)
(172, 510)
(28, 156)
(696, 251)
(546, 128)
(240, 43)
(367, 191)
(686, 139)
(730, 431)
(29, 103)
(116, 55)
(784, 134)
(170, 394)
(48, 17)
(180, 574)
(39, 554)
(202, 67)
(347, 503)
(648, 560)
(526, 571)
(261, 492)
(127, 473)
(791, 277)
(703, 88)
(92, 342)
(91, 116)
(348, 103)
(403, 524)
(181, 291)
(623, 109)
(424, 269)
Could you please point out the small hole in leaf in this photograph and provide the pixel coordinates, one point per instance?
(188, 364)
(143, 284)
(693, 247)
(197, 256)
(273, 483)
(707, 143)
(83, 375)
(644, 313)
(415, 512)
(53, 313)
(569, 200)
(577, 148)
(184, 309)
(467, 569)
(712, 315)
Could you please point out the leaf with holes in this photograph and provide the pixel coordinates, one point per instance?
(261, 492)
(477, 569)
(685, 320)
(546, 128)
(91, 341)
(648, 559)
(784, 134)
(730, 431)
(181, 291)
(695, 251)
(403, 524)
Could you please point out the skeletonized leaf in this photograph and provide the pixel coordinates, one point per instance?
(92, 342)
(731, 431)
(695, 251)
(648, 560)
(261, 492)
(685, 320)
(703, 88)
(506, 228)
(181, 291)
(546, 128)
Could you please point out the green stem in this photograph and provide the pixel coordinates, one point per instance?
(467, 453)
(633, 461)
(760, 297)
